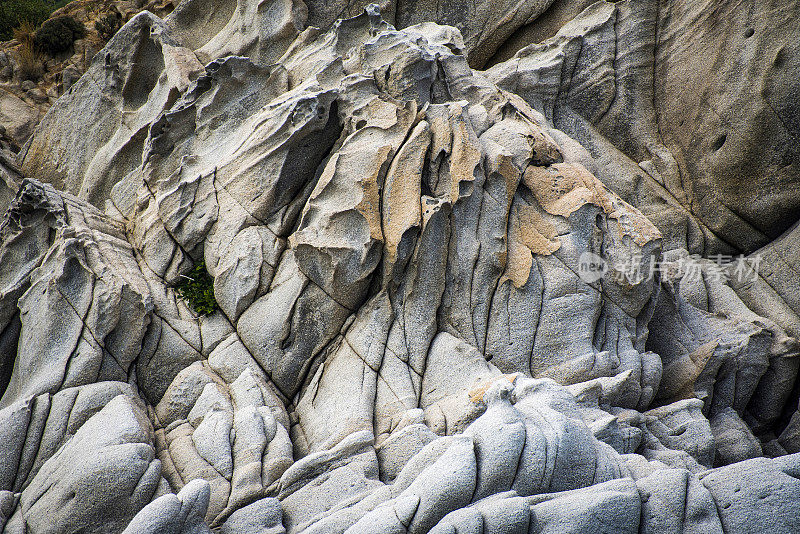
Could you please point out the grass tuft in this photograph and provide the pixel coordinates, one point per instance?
(15, 12)
(30, 59)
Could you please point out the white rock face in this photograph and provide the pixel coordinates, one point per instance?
(407, 338)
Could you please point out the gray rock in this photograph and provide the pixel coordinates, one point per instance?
(174, 514)
(36, 428)
(757, 494)
(261, 517)
(675, 501)
(9, 178)
(679, 426)
(140, 66)
(650, 139)
(448, 300)
(733, 439)
(18, 117)
(69, 76)
(182, 394)
(100, 479)
(321, 481)
(83, 305)
(400, 447)
(610, 507)
(698, 350)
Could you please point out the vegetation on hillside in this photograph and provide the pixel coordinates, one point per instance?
(57, 34)
(31, 65)
(14, 13)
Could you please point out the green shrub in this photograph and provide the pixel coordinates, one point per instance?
(197, 289)
(57, 35)
(14, 12)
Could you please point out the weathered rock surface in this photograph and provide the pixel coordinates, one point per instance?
(449, 300)
(30, 85)
(707, 148)
(9, 178)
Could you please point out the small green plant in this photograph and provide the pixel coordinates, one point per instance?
(197, 289)
(57, 34)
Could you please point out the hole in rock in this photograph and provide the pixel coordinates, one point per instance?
(780, 58)
(146, 67)
(719, 141)
(9, 339)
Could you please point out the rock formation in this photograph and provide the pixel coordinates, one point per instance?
(450, 300)
(32, 80)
